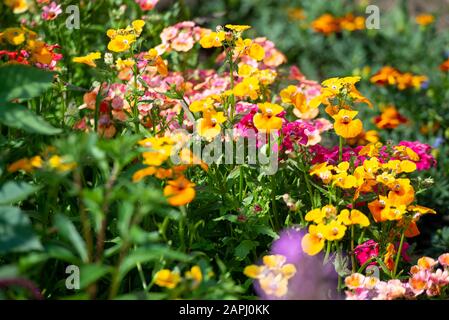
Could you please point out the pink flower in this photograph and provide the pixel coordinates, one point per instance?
(147, 4)
(426, 160)
(365, 251)
(51, 11)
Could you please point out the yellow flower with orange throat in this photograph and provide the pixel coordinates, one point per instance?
(210, 125)
(345, 125)
(249, 87)
(154, 59)
(267, 120)
(88, 59)
(249, 48)
(213, 39)
(122, 39)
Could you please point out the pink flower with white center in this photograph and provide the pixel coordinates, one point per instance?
(147, 5)
(51, 12)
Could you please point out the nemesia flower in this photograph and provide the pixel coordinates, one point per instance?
(345, 125)
(147, 5)
(273, 275)
(167, 278)
(89, 59)
(389, 119)
(424, 19)
(51, 11)
(17, 6)
(267, 119)
(212, 39)
(179, 192)
(365, 251)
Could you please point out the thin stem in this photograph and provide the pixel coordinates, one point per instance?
(352, 250)
(398, 255)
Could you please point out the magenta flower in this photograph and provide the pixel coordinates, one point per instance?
(365, 251)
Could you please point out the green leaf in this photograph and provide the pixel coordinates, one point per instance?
(17, 116)
(23, 82)
(16, 232)
(266, 230)
(68, 231)
(12, 192)
(153, 253)
(90, 273)
(244, 248)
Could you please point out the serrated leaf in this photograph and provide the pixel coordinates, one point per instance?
(16, 232)
(12, 192)
(17, 116)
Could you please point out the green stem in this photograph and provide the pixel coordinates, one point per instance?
(241, 184)
(398, 255)
(352, 250)
(181, 227)
(340, 149)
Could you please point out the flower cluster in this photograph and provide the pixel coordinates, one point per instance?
(393, 77)
(49, 160)
(180, 37)
(329, 24)
(423, 279)
(24, 46)
(272, 275)
(169, 279)
(389, 119)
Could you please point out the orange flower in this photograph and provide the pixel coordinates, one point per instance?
(445, 66)
(364, 138)
(424, 19)
(326, 24)
(180, 191)
(155, 60)
(389, 119)
(345, 126)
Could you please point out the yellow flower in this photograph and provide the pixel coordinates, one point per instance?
(267, 120)
(334, 230)
(313, 242)
(209, 126)
(203, 105)
(121, 43)
(249, 48)
(155, 60)
(195, 274)
(138, 26)
(212, 39)
(88, 59)
(315, 215)
(253, 271)
(353, 217)
(249, 87)
(292, 95)
(180, 191)
(25, 164)
(167, 278)
(124, 63)
(56, 162)
(323, 171)
(14, 36)
(344, 124)
(237, 28)
(17, 6)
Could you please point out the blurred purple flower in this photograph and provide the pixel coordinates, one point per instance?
(313, 280)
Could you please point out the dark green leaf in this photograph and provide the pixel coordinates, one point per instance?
(12, 192)
(16, 232)
(17, 116)
(68, 231)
